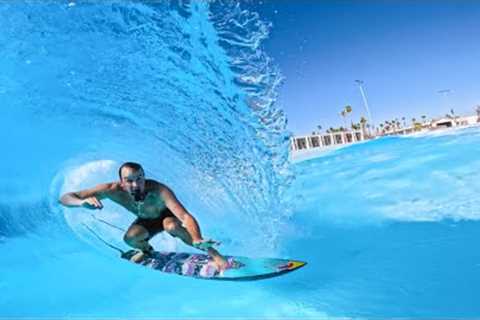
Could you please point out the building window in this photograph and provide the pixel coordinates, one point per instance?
(446, 124)
(338, 139)
(349, 137)
(301, 143)
(315, 142)
(326, 140)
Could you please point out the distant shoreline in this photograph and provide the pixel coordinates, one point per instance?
(310, 146)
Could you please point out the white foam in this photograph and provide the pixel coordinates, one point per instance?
(87, 174)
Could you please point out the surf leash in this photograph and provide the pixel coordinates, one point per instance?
(109, 224)
(104, 241)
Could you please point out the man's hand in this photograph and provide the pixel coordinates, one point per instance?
(89, 198)
(204, 245)
(92, 203)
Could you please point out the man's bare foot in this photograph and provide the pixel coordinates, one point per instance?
(137, 257)
(141, 255)
(220, 262)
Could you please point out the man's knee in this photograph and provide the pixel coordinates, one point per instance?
(135, 234)
(174, 227)
(171, 225)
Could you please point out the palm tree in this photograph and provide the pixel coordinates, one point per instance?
(404, 124)
(423, 118)
(344, 113)
(387, 125)
(355, 126)
(363, 123)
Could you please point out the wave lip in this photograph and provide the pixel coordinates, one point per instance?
(184, 89)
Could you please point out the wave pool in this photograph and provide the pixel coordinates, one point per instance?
(388, 227)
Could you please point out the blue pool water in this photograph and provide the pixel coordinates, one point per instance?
(389, 227)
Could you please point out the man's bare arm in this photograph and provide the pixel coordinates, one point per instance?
(192, 227)
(181, 213)
(89, 198)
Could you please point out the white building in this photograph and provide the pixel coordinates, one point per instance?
(308, 145)
(449, 122)
(437, 124)
(320, 142)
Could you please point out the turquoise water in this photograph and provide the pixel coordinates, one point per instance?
(388, 227)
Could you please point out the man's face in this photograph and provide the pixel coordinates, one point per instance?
(133, 182)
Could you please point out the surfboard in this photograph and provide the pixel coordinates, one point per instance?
(201, 266)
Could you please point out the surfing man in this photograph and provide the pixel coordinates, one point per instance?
(156, 207)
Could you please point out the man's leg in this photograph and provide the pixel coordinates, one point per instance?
(174, 227)
(137, 237)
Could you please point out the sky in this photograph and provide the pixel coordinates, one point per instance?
(404, 52)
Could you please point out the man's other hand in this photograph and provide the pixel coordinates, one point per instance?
(204, 245)
(92, 203)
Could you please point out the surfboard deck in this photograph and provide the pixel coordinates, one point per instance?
(201, 266)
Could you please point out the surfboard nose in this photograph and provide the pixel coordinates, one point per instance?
(292, 265)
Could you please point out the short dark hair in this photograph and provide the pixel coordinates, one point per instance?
(132, 165)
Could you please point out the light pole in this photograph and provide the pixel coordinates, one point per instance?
(445, 93)
(365, 103)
